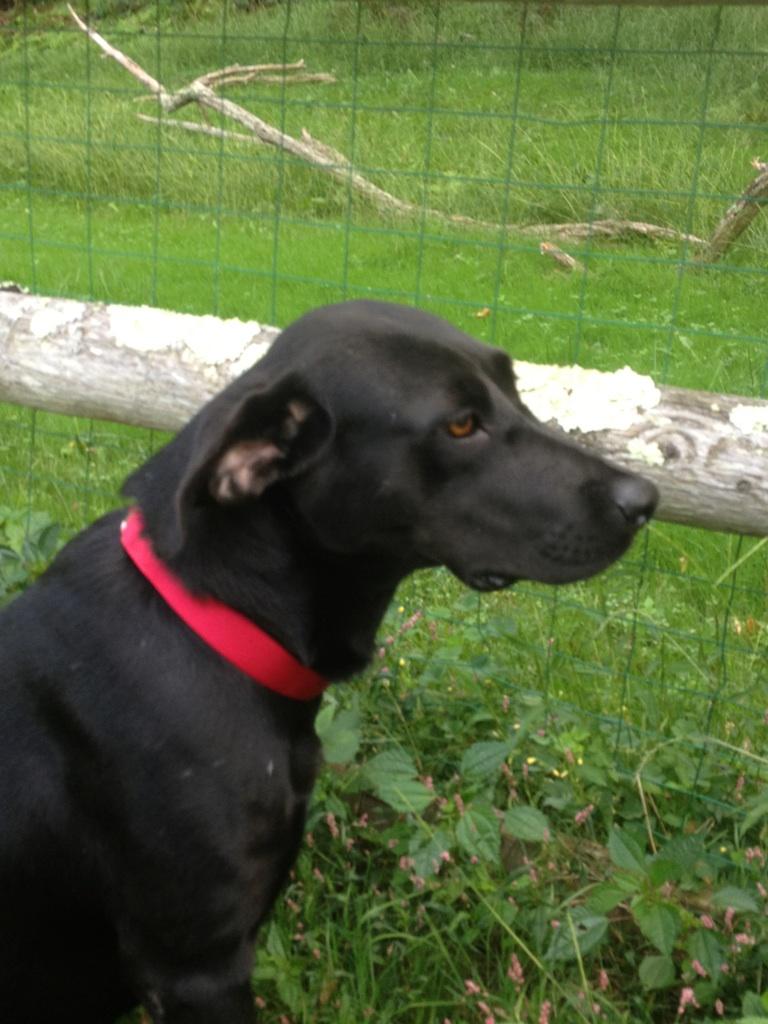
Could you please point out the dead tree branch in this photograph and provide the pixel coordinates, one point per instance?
(331, 161)
(738, 216)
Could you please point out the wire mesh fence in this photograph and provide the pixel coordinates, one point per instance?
(488, 124)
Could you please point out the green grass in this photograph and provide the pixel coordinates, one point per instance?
(641, 694)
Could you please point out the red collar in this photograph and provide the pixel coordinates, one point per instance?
(227, 631)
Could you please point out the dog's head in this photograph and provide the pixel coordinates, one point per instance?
(384, 430)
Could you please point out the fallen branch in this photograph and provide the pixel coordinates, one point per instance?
(331, 161)
(707, 453)
(244, 74)
(738, 216)
(562, 259)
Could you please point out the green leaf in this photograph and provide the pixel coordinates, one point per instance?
(625, 851)
(407, 796)
(657, 972)
(607, 895)
(662, 870)
(707, 949)
(392, 774)
(340, 734)
(427, 856)
(478, 833)
(589, 930)
(527, 823)
(753, 1007)
(732, 896)
(659, 922)
(482, 760)
(757, 809)
(390, 762)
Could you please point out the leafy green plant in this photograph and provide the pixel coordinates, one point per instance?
(598, 893)
(28, 541)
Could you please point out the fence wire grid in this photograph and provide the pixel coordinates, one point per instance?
(513, 118)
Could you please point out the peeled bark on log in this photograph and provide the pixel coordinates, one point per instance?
(132, 364)
(707, 453)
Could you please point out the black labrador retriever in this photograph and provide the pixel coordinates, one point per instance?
(152, 792)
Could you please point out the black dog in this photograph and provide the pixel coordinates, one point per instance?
(152, 795)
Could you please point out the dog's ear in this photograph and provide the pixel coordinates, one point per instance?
(252, 435)
(267, 440)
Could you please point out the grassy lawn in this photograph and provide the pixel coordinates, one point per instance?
(543, 804)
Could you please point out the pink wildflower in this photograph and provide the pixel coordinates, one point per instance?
(411, 622)
(719, 1007)
(687, 998)
(584, 814)
(406, 863)
(545, 1011)
(602, 980)
(707, 921)
(754, 853)
(473, 989)
(699, 968)
(515, 972)
(729, 916)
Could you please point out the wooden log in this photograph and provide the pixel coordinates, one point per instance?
(707, 453)
(132, 364)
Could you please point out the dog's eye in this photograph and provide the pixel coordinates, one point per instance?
(463, 426)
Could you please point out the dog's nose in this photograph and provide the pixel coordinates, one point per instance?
(636, 497)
